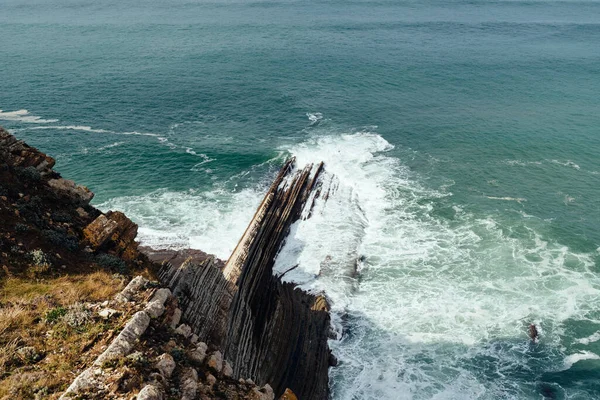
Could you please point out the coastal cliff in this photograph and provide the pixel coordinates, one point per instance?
(270, 331)
(224, 330)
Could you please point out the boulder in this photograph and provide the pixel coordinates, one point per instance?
(155, 308)
(88, 380)
(189, 384)
(124, 343)
(134, 286)
(165, 364)
(184, 330)
(113, 232)
(70, 189)
(264, 393)
(108, 313)
(210, 379)
(288, 395)
(18, 154)
(199, 353)
(227, 370)
(268, 391)
(150, 392)
(215, 361)
(175, 318)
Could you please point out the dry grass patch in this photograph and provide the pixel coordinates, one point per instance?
(12, 317)
(96, 286)
(45, 336)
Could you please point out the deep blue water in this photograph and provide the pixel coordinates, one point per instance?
(464, 136)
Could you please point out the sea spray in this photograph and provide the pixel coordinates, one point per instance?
(425, 303)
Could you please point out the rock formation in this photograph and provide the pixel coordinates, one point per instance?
(149, 358)
(270, 331)
(232, 329)
(44, 213)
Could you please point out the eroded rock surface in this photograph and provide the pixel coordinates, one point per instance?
(275, 333)
(45, 213)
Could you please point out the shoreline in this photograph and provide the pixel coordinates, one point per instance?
(53, 216)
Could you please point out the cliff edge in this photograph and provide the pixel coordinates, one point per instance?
(226, 330)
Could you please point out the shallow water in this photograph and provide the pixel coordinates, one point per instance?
(460, 140)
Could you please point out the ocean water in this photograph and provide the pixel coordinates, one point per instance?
(461, 142)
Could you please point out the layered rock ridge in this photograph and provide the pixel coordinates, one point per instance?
(270, 331)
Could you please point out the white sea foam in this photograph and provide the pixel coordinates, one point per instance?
(85, 128)
(205, 159)
(521, 163)
(590, 339)
(163, 140)
(24, 116)
(506, 198)
(571, 359)
(567, 163)
(568, 200)
(314, 118)
(211, 221)
(416, 288)
(110, 146)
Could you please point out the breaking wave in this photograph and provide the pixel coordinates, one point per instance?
(424, 303)
(24, 116)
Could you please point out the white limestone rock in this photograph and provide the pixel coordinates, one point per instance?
(131, 289)
(108, 313)
(189, 384)
(88, 380)
(210, 379)
(156, 306)
(264, 393)
(227, 370)
(150, 392)
(199, 353)
(215, 361)
(184, 330)
(124, 343)
(165, 364)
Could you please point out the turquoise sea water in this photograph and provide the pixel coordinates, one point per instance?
(463, 136)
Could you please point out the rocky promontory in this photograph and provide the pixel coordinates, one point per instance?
(85, 312)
